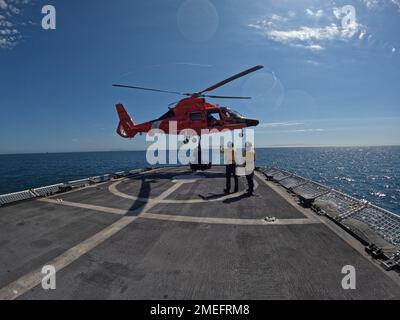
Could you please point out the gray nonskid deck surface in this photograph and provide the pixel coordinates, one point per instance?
(182, 240)
(148, 260)
(265, 203)
(33, 233)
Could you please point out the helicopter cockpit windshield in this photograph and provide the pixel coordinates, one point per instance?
(229, 113)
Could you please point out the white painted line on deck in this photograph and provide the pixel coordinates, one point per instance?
(181, 218)
(34, 278)
(84, 206)
(342, 234)
(169, 217)
(287, 197)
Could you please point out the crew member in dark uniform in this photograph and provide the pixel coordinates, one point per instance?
(250, 159)
(230, 163)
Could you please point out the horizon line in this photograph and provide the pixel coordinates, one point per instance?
(263, 147)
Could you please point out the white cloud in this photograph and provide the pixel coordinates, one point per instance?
(312, 62)
(297, 33)
(371, 3)
(351, 29)
(9, 22)
(307, 130)
(5, 23)
(313, 47)
(396, 3)
(375, 4)
(278, 18)
(312, 37)
(3, 5)
(337, 12)
(280, 124)
(305, 33)
(316, 14)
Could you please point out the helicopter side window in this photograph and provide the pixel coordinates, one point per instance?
(213, 118)
(195, 116)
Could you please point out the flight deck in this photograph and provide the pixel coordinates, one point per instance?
(169, 233)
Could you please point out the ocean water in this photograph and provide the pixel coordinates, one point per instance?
(371, 173)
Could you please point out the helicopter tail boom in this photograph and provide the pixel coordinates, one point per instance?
(126, 126)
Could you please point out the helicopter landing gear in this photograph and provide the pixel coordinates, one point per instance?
(199, 165)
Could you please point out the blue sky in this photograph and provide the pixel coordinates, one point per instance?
(322, 84)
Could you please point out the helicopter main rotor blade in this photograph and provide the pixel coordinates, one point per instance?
(236, 76)
(214, 97)
(224, 97)
(201, 93)
(150, 89)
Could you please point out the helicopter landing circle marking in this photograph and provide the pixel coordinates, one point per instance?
(187, 178)
(113, 189)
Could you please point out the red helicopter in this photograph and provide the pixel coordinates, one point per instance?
(192, 112)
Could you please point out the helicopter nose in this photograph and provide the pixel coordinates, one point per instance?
(252, 122)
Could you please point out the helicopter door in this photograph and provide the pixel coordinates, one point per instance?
(196, 120)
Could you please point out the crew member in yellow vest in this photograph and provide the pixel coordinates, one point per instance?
(230, 164)
(250, 159)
